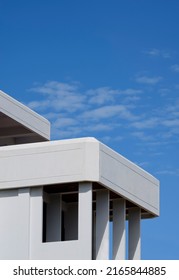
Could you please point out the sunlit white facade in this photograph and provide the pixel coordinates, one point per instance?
(57, 198)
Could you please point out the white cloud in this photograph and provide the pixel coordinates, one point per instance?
(131, 91)
(105, 95)
(39, 105)
(146, 123)
(172, 110)
(158, 53)
(56, 88)
(51, 115)
(153, 52)
(104, 112)
(109, 112)
(67, 132)
(175, 68)
(131, 100)
(106, 139)
(171, 123)
(59, 97)
(142, 136)
(148, 80)
(74, 112)
(143, 164)
(100, 127)
(168, 172)
(64, 122)
(101, 95)
(68, 97)
(164, 91)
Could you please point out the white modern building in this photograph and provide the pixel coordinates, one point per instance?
(57, 198)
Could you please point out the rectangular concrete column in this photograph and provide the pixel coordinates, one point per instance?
(24, 220)
(102, 225)
(36, 219)
(85, 218)
(119, 230)
(134, 245)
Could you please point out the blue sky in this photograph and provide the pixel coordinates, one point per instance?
(108, 69)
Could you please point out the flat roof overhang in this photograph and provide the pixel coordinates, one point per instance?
(78, 160)
(19, 124)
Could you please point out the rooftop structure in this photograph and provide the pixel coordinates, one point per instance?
(19, 124)
(57, 198)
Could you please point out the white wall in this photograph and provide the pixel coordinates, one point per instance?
(14, 224)
(74, 249)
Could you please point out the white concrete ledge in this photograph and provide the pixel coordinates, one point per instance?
(128, 179)
(77, 160)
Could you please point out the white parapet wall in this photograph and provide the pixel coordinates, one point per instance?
(77, 160)
(128, 180)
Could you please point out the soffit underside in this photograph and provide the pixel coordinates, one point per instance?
(12, 132)
(70, 195)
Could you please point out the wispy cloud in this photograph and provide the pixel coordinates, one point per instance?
(164, 91)
(105, 95)
(104, 111)
(148, 80)
(172, 109)
(175, 68)
(171, 123)
(168, 172)
(59, 97)
(130, 91)
(141, 135)
(100, 127)
(55, 88)
(157, 53)
(101, 95)
(64, 122)
(153, 52)
(74, 111)
(146, 123)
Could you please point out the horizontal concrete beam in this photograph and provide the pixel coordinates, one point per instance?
(78, 160)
